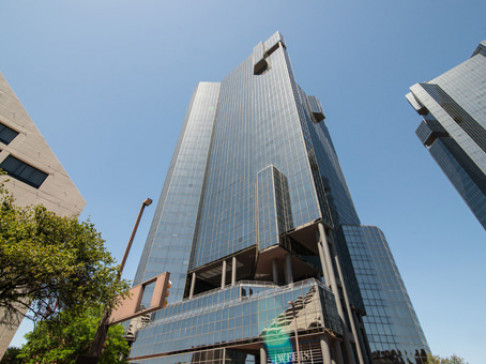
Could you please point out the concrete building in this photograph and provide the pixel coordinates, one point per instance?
(453, 129)
(34, 174)
(269, 261)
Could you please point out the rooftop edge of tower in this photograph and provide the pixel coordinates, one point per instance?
(264, 49)
(481, 48)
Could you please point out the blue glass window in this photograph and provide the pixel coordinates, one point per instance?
(23, 172)
(7, 134)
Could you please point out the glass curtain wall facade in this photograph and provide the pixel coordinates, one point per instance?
(249, 223)
(392, 327)
(454, 126)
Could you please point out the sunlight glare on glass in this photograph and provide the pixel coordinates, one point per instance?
(275, 331)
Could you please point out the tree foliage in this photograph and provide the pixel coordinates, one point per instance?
(62, 338)
(10, 356)
(453, 359)
(51, 263)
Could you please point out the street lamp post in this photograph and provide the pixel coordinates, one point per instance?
(297, 346)
(100, 336)
(145, 203)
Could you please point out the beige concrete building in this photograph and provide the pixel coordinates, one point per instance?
(35, 175)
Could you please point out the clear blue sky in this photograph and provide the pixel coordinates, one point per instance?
(108, 84)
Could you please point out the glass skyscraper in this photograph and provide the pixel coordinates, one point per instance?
(454, 126)
(267, 255)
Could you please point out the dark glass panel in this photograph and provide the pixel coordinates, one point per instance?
(23, 172)
(7, 134)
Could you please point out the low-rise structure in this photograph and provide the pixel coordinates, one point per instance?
(33, 174)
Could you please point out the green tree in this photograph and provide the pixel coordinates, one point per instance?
(10, 356)
(50, 263)
(453, 359)
(62, 338)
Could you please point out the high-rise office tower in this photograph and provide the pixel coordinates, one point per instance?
(33, 175)
(257, 227)
(454, 126)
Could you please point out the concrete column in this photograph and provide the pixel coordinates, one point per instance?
(325, 269)
(328, 259)
(356, 337)
(288, 264)
(233, 271)
(275, 271)
(193, 285)
(326, 350)
(263, 355)
(335, 290)
(223, 274)
(338, 352)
